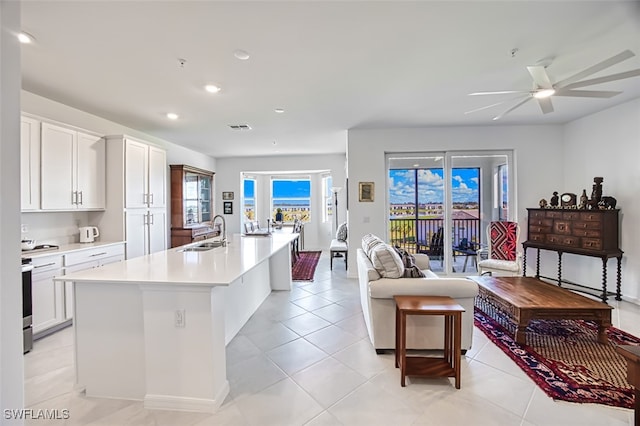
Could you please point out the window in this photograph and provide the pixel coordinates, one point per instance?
(503, 192)
(293, 197)
(249, 199)
(327, 198)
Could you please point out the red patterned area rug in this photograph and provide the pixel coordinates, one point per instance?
(565, 360)
(305, 266)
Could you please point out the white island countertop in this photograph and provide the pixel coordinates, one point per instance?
(217, 266)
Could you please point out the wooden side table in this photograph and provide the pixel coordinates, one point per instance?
(632, 355)
(449, 364)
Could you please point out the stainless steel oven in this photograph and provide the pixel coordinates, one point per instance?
(27, 310)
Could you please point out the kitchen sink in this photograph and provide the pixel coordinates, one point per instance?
(204, 246)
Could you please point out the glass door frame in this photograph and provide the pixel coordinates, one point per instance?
(448, 158)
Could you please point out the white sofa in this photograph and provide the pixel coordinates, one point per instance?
(423, 332)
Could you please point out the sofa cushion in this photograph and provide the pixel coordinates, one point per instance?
(409, 262)
(453, 287)
(370, 241)
(387, 261)
(341, 233)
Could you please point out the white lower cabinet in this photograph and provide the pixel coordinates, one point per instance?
(52, 302)
(47, 295)
(82, 260)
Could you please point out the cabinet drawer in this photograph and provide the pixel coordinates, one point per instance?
(562, 227)
(44, 264)
(541, 222)
(554, 214)
(537, 214)
(592, 243)
(590, 216)
(591, 233)
(538, 238)
(570, 215)
(97, 253)
(533, 229)
(562, 240)
(587, 225)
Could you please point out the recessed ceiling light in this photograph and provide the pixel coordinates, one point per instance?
(243, 55)
(25, 38)
(416, 165)
(279, 110)
(211, 88)
(172, 116)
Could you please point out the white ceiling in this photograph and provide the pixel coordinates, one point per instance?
(331, 66)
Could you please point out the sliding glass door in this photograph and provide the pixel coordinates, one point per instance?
(441, 203)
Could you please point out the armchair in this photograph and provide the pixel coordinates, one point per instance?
(503, 257)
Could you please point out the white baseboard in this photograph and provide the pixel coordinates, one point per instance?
(180, 403)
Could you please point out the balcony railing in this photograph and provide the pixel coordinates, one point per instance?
(416, 234)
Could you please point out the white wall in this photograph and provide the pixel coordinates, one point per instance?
(317, 234)
(538, 161)
(62, 227)
(11, 359)
(607, 144)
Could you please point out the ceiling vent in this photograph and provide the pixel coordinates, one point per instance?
(240, 127)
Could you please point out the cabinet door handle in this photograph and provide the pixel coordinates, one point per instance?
(150, 219)
(45, 265)
(145, 199)
(81, 198)
(145, 219)
(74, 197)
(151, 198)
(98, 254)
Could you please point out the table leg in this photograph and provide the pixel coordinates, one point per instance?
(604, 280)
(403, 348)
(457, 345)
(447, 339)
(618, 296)
(602, 333)
(397, 336)
(521, 337)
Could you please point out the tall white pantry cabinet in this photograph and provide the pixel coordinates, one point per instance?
(136, 196)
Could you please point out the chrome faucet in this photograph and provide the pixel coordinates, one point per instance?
(224, 228)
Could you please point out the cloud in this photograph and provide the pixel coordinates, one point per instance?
(475, 180)
(458, 178)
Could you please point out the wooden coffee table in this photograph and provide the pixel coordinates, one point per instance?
(525, 298)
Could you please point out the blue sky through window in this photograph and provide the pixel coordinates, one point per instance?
(431, 185)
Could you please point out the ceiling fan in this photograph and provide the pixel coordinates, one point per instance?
(543, 88)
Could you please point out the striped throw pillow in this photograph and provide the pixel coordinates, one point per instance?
(387, 261)
(369, 242)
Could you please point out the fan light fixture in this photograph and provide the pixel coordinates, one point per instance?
(172, 116)
(211, 88)
(544, 93)
(25, 38)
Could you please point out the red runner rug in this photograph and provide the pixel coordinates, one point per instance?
(564, 358)
(305, 266)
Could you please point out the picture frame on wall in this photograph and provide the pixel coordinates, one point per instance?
(227, 195)
(227, 207)
(366, 191)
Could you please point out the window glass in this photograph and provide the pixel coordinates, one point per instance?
(249, 192)
(293, 197)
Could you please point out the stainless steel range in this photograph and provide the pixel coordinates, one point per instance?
(27, 312)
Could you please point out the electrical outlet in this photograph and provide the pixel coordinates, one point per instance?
(24, 228)
(180, 318)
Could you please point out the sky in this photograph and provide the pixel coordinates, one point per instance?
(431, 185)
(284, 190)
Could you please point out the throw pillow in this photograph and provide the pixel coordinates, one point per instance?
(409, 262)
(341, 233)
(369, 242)
(387, 261)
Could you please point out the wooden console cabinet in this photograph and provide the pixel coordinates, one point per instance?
(191, 204)
(592, 233)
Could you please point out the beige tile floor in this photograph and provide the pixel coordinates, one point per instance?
(304, 358)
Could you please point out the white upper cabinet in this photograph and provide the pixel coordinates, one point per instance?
(73, 169)
(145, 175)
(29, 163)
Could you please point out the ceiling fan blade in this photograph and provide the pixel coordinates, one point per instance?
(597, 67)
(501, 92)
(545, 105)
(586, 93)
(492, 105)
(605, 79)
(540, 77)
(498, 117)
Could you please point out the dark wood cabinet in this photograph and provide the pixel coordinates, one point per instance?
(592, 233)
(191, 204)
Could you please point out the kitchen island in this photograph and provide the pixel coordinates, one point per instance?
(154, 328)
